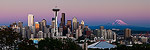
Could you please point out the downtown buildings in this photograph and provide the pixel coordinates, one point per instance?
(65, 29)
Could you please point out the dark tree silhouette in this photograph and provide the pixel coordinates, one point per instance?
(58, 44)
(26, 45)
(8, 37)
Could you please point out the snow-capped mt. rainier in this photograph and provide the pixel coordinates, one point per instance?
(119, 22)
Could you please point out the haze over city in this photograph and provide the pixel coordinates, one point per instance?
(94, 12)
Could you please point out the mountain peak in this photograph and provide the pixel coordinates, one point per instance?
(119, 22)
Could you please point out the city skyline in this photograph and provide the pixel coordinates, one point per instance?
(92, 12)
(74, 24)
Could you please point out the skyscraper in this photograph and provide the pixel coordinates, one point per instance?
(37, 27)
(30, 20)
(86, 29)
(60, 31)
(109, 34)
(127, 33)
(82, 23)
(77, 24)
(69, 25)
(41, 26)
(20, 25)
(44, 23)
(56, 15)
(28, 31)
(23, 33)
(103, 33)
(64, 30)
(63, 19)
(78, 32)
(74, 23)
(97, 33)
(62, 25)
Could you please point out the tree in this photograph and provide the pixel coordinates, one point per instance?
(58, 44)
(26, 45)
(71, 45)
(8, 37)
(50, 44)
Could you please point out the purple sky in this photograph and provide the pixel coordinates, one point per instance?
(93, 12)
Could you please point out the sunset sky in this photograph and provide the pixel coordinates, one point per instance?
(93, 12)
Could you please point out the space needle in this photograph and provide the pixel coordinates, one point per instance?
(56, 26)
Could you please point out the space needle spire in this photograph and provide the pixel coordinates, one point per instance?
(56, 15)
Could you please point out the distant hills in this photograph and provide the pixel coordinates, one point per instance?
(119, 24)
